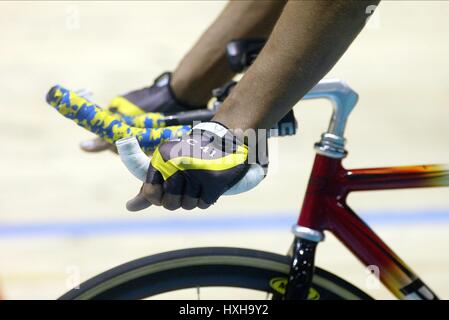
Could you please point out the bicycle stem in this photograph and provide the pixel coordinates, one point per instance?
(343, 100)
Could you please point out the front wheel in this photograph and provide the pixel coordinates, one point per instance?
(208, 273)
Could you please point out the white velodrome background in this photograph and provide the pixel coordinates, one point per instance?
(399, 66)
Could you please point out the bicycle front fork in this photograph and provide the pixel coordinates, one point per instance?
(302, 263)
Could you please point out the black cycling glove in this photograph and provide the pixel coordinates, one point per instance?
(202, 165)
(157, 98)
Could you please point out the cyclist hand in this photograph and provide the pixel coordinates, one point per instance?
(158, 99)
(111, 127)
(193, 171)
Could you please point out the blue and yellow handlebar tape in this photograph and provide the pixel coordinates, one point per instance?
(110, 126)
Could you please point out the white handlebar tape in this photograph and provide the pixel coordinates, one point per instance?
(251, 179)
(137, 162)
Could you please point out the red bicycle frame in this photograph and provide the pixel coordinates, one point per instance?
(325, 208)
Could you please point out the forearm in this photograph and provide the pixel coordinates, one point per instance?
(205, 67)
(308, 39)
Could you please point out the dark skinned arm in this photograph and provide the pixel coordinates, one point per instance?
(204, 67)
(308, 39)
